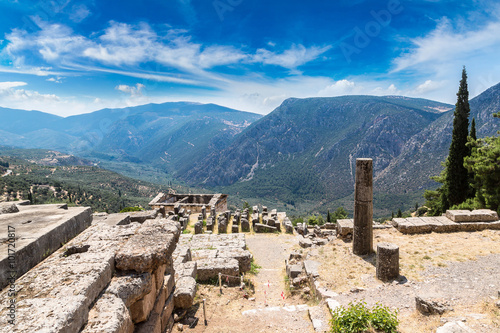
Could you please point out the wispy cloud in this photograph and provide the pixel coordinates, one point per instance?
(134, 91)
(446, 43)
(123, 45)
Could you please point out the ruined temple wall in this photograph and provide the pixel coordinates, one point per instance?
(110, 278)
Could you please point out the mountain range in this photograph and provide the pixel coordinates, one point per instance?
(300, 157)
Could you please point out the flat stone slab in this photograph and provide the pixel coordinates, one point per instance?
(36, 232)
(210, 268)
(345, 227)
(259, 228)
(111, 219)
(311, 267)
(420, 225)
(304, 242)
(477, 215)
(244, 257)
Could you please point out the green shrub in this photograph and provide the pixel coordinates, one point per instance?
(421, 211)
(358, 318)
(131, 209)
(254, 268)
(469, 204)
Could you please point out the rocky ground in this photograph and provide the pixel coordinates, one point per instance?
(462, 269)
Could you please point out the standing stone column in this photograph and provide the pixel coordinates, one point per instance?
(387, 261)
(362, 242)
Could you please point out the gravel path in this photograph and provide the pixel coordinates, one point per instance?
(268, 312)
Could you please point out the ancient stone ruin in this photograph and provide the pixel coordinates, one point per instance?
(363, 207)
(197, 203)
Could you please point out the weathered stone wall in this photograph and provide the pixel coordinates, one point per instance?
(107, 279)
(37, 231)
(192, 202)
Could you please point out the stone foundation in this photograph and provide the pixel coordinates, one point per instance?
(110, 278)
(37, 231)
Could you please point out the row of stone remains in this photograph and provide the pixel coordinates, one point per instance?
(242, 220)
(110, 278)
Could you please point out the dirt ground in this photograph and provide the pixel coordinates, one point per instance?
(461, 268)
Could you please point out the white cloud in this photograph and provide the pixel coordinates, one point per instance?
(341, 87)
(134, 91)
(380, 91)
(8, 85)
(123, 44)
(428, 86)
(445, 44)
(79, 13)
(294, 57)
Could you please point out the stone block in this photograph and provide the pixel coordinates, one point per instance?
(130, 287)
(204, 254)
(169, 284)
(345, 227)
(185, 290)
(478, 215)
(387, 267)
(146, 250)
(429, 306)
(152, 325)
(182, 253)
(109, 315)
(160, 300)
(186, 269)
(330, 226)
(293, 270)
(39, 230)
(235, 229)
(245, 225)
(142, 216)
(244, 257)
(210, 268)
(166, 314)
(159, 274)
(140, 310)
(295, 255)
(8, 208)
(260, 228)
(198, 227)
(304, 242)
(222, 226)
(311, 267)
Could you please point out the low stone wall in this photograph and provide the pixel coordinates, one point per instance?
(419, 225)
(107, 279)
(223, 253)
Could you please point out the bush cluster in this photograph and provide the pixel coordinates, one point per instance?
(357, 318)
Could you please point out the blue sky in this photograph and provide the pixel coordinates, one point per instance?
(69, 57)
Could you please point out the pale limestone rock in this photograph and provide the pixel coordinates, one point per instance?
(109, 315)
(185, 290)
(140, 310)
(131, 288)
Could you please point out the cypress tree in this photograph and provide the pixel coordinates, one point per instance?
(473, 130)
(328, 218)
(457, 177)
(472, 139)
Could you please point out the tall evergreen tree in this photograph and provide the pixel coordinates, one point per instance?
(457, 177)
(472, 140)
(473, 129)
(328, 218)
